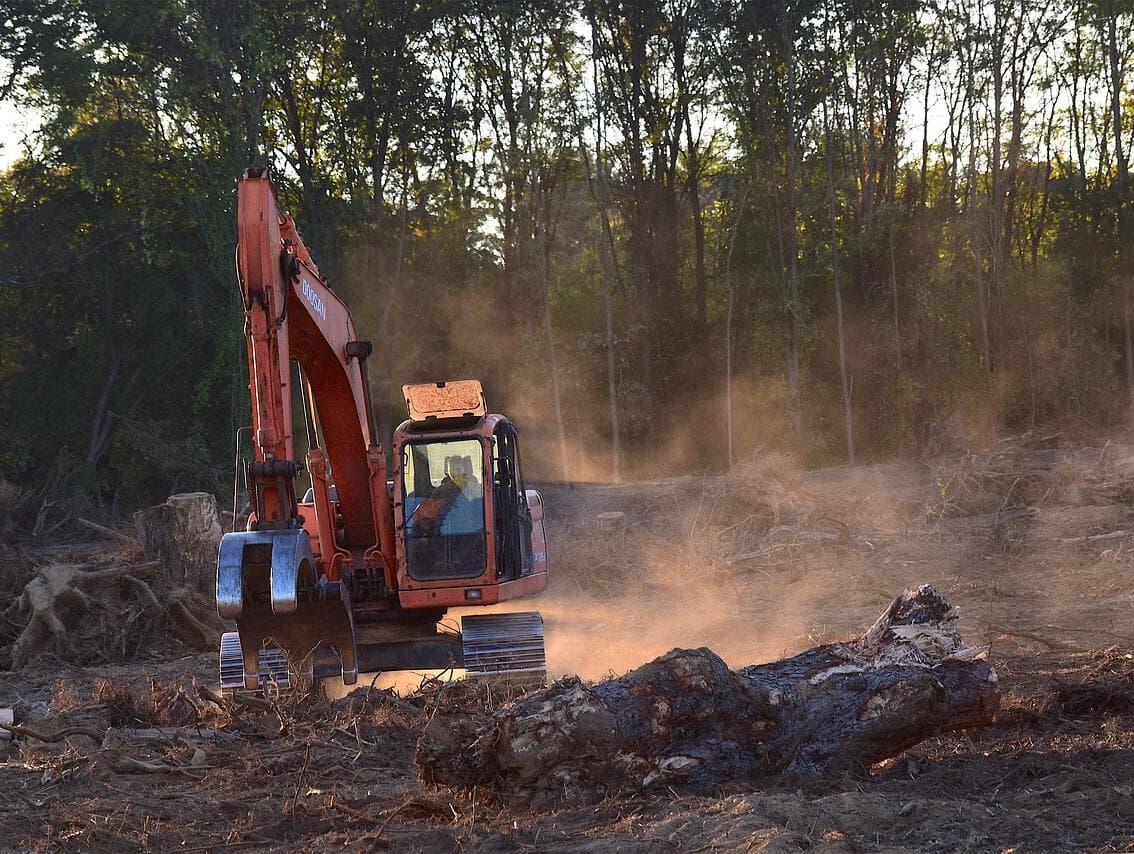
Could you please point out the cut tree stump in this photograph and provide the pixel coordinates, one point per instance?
(184, 534)
(688, 722)
(107, 610)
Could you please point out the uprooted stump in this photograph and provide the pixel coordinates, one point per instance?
(83, 614)
(686, 721)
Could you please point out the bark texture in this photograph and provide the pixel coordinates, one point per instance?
(184, 534)
(686, 721)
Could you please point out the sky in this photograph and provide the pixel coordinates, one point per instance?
(16, 123)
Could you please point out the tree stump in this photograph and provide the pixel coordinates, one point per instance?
(184, 534)
(686, 721)
(86, 614)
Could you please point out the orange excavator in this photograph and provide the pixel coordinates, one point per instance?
(357, 574)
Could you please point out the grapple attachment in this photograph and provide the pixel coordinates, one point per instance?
(266, 582)
(504, 645)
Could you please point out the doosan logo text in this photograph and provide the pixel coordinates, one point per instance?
(313, 298)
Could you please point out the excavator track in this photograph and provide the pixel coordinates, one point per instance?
(274, 671)
(504, 646)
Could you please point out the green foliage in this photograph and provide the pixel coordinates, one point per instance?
(486, 182)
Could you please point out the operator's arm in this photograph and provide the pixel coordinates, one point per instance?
(431, 512)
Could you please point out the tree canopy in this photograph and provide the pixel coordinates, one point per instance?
(665, 233)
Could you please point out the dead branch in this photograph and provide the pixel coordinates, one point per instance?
(128, 764)
(108, 532)
(52, 737)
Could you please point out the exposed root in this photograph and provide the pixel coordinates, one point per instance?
(84, 614)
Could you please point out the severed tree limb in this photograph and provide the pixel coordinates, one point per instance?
(686, 721)
(107, 532)
(128, 764)
(147, 569)
(29, 731)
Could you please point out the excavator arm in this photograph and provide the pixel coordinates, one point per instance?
(284, 563)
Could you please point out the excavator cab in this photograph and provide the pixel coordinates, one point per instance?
(444, 504)
(468, 530)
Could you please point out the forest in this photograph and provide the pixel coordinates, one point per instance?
(666, 234)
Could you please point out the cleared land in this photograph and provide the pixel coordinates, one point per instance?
(1033, 539)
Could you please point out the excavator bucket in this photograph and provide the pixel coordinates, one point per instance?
(284, 616)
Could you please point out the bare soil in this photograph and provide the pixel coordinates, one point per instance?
(1032, 539)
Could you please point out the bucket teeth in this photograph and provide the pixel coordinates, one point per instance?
(506, 646)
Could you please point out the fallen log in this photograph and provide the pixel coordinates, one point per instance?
(686, 721)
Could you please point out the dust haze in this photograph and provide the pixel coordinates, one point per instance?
(772, 559)
(790, 549)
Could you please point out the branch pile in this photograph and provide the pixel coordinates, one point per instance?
(103, 605)
(1029, 470)
(85, 613)
(686, 721)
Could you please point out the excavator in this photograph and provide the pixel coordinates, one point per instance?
(356, 575)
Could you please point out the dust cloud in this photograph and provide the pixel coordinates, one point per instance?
(1031, 537)
(772, 559)
(745, 564)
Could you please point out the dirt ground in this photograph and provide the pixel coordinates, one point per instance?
(1033, 539)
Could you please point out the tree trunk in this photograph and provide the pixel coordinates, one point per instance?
(549, 334)
(977, 231)
(1114, 65)
(836, 275)
(609, 259)
(611, 367)
(313, 228)
(894, 294)
(102, 424)
(1128, 338)
(686, 722)
(184, 534)
(787, 35)
(728, 324)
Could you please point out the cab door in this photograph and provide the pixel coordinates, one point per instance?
(512, 516)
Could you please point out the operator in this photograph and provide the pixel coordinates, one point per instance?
(466, 516)
(454, 506)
